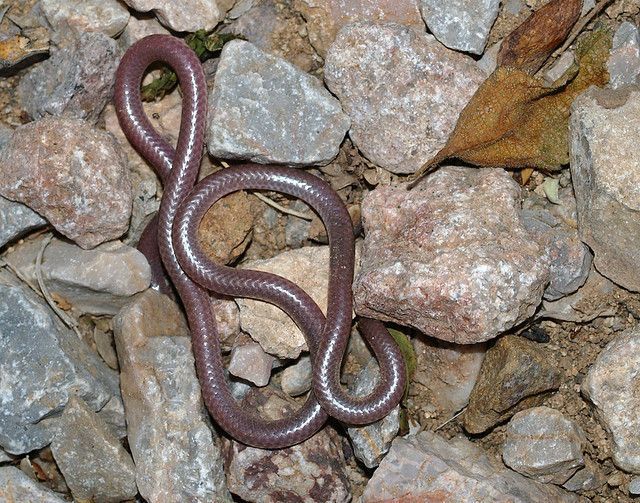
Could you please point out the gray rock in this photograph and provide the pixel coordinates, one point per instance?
(624, 60)
(462, 25)
(95, 465)
(371, 442)
(611, 385)
(543, 445)
(97, 281)
(296, 379)
(187, 15)
(227, 317)
(251, 363)
(72, 174)
(76, 81)
(560, 67)
(172, 441)
(113, 414)
(5, 457)
(266, 110)
(137, 29)
(106, 16)
(426, 467)
(450, 257)
(42, 364)
(605, 165)
(18, 487)
(489, 60)
(587, 5)
(399, 119)
(589, 478)
(296, 230)
(16, 219)
(634, 486)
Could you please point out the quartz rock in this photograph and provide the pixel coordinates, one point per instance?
(16, 486)
(187, 15)
(251, 363)
(624, 61)
(106, 16)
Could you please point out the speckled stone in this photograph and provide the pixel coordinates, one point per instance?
(624, 60)
(106, 16)
(402, 108)
(264, 109)
(450, 257)
(251, 363)
(72, 174)
(16, 486)
(296, 379)
(187, 15)
(589, 478)
(16, 219)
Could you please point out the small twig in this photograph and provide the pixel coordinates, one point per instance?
(450, 419)
(577, 29)
(288, 211)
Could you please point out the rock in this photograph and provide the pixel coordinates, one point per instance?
(326, 17)
(371, 442)
(403, 108)
(588, 478)
(189, 15)
(266, 110)
(450, 257)
(296, 379)
(97, 281)
(634, 486)
(587, 5)
(172, 441)
(4, 457)
(227, 316)
(611, 385)
(604, 167)
(624, 60)
(445, 373)
(560, 67)
(94, 464)
(113, 414)
(16, 486)
(543, 445)
(462, 25)
(16, 219)
(251, 363)
(426, 467)
(33, 395)
(76, 81)
(516, 374)
(297, 230)
(105, 16)
(137, 29)
(489, 60)
(73, 175)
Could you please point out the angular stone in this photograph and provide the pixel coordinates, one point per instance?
(137, 29)
(97, 281)
(589, 478)
(543, 445)
(172, 441)
(251, 363)
(16, 219)
(403, 108)
(326, 17)
(16, 486)
(605, 165)
(624, 60)
(516, 374)
(42, 364)
(188, 15)
(4, 457)
(106, 16)
(462, 25)
(296, 379)
(450, 257)
(426, 467)
(76, 81)
(94, 464)
(73, 175)
(227, 315)
(611, 385)
(560, 67)
(259, 103)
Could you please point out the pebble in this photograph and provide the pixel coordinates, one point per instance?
(403, 108)
(227, 316)
(296, 379)
(589, 478)
(72, 174)
(173, 444)
(76, 81)
(634, 486)
(605, 165)
(462, 25)
(98, 281)
(264, 109)
(611, 386)
(95, 465)
(450, 257)
(16, 219)
(251, 363)
(33, 396)
(187, 15)
(137, 29)
(516, 374)
(544, 445)
(624, 60)
(18, 487)
(560, 67)
(426, 467)
(106, 16)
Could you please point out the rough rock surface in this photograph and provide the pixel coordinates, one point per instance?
(137, 29)
(97, 281)
(296, 379)
(188, 15)
(463, 25)
(251, 363)
(402, 108)
(32, 396)
(74, 175)
(543, 444)
(516, 374)
(264, 109)
(76, 81)
(95, 465)
(426, 467)
(16, 486)
(450, 257)
(173, 444)
(106, 16)
(16, 219)
(589, 478)
(605, 165)
(624, 61)
(611, 385)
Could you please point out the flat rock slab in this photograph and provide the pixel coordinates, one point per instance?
(187, 15)
(16, 486)
(264, 109)
(402, 107)
(16, 219)
(450, 257)
(106, 16)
